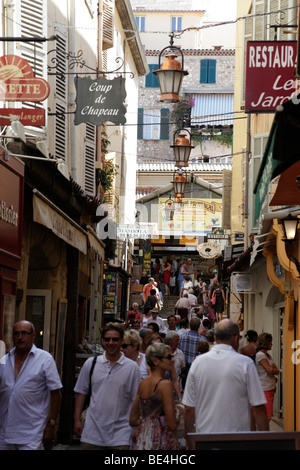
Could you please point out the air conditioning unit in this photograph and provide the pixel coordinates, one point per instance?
(241, 283)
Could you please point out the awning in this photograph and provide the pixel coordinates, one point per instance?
(48, 214)
(287, 192)
(282, 150)
(96, 244)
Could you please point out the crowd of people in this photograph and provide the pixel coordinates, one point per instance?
(155, 382)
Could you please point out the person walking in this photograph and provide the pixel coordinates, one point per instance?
(220, 301)
(153, 411)
(266, 369)
(114, 384)
(180, 277)
(131, 347)
(30, 396)
(250, 348)
(189, 341)
(166, 274)
(221, 386)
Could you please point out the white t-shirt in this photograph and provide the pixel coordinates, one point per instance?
(220, 386)
(267, 381)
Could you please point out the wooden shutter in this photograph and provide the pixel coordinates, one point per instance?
(31, 21)
(61, 94)
(226, 202)
(151, 79)
(90, 159)
(165, 124)
(107, 24)
(211, 77)
(203, 70)
(140, 131)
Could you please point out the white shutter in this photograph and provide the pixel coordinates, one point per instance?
(31, 21)
(61, 94)
(90, 159)
(107, 24)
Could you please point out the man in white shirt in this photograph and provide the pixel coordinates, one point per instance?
(221, 386)
(156, 319)
(29, 393)
(115, 381)
(172, 340)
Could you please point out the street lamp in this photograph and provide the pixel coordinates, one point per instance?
(179, 184)
(170, 73)
(182, 148)
(289, 226)
(169, 209)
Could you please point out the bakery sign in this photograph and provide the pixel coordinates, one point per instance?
(100, 100)
(18, 83)
(270, 74)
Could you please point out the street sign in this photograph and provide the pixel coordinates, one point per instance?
(134, 231)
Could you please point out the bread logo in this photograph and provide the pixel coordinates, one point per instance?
(18, 83)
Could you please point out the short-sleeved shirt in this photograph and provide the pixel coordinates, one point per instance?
(221, 385)
(188, 344)
(24, 402)
(113, 392)
(267, 381)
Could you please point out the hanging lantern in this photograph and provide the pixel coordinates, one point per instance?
(169, 209)
(182, 149)
(179, 184)
(170, 74)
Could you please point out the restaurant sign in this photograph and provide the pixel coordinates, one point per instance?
(100, 100)
(270, 69)
(18, 83)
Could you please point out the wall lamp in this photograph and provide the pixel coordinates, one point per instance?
(170, 73)
(289, 226)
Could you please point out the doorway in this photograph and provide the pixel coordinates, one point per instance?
(38, 311)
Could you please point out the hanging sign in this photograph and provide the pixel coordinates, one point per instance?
(270, 69)
(100, 100)
(208, 250)
(18, 83)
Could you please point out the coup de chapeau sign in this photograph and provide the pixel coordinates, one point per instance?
(100, 100)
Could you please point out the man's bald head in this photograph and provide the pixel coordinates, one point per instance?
(226, 331)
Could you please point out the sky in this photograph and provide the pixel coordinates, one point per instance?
(220, 10)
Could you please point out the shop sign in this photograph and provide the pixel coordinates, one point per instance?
(100, 100)
(27, 117)
(18, 83)
(208, 250)
(11, 208)
(270, 80)
(134, 231)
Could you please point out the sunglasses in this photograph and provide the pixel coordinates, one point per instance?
(107, 340)
(124, 345)
(169, 356)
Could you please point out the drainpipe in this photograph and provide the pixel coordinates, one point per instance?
(246, 209)
(72, 94)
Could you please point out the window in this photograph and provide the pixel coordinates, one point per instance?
(208, 71)
(153, 124)
(176, 23)
(140, 23)
(151, 79)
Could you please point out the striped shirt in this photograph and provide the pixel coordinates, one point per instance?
(188, 344)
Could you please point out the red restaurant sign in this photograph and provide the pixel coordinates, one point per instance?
(18, 83)
(27, 117)
(270, 70)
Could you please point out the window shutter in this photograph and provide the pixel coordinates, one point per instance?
(164, 128)
(140, 131)
(151, 79)
(90, 159)
(107, 24)
(61, 94)
(31, 21)
(203, 70)
(211, 71)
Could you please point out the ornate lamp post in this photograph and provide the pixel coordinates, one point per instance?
(179, 184)
(182, 148)
(170, 73)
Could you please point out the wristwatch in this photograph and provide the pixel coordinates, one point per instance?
(52, 422)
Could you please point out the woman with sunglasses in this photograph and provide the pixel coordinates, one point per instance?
(153, 411)
(131, 347)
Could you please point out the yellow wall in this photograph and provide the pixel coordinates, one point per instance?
(240, 126)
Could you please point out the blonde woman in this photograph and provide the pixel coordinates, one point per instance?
(153, 411)
(131, 347)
